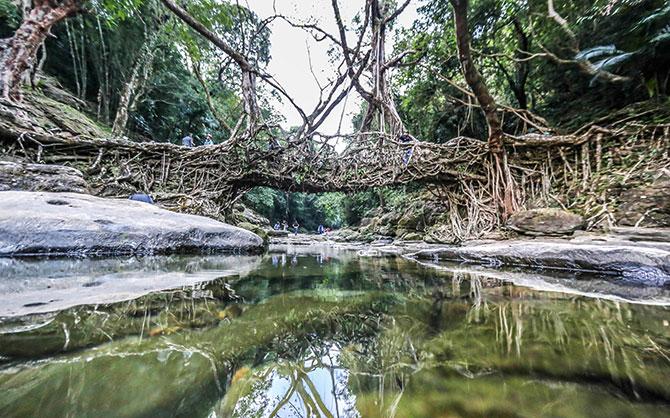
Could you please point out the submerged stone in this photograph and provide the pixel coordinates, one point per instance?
(41, 223)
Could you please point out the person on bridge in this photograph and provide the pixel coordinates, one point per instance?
(273, 144)
(296, 226)
(285, 225)
(320, 230)
(208, 140)
(187, 141)
(277, 227)
(406, 139)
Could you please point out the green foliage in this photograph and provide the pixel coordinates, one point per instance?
(10, 17)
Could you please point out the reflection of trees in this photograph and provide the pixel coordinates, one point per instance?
(478, 328)
(405, 333)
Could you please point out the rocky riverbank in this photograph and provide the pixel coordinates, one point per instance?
(635, 256)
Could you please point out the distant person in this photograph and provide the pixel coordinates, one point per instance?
(277, 227)
(273, 144)
(328, 230)
(320, 230)
(296, 226)
(406, 139)
(187, 141)
(208, 140)
(285, 225)
(142, 197)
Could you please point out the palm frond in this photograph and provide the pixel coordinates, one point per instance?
(595, 52)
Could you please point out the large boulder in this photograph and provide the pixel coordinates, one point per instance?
(41, 178)
(648, 205)
(39, 223)
(545, 221)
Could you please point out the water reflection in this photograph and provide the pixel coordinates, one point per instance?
(329, 334)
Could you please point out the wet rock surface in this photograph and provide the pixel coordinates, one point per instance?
(41, 223)
(545, 221)
(642, 264)
(41, 178)
(33, 286)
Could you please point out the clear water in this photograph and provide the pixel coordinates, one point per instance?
(322, 333)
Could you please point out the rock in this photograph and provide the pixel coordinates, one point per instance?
(366, 221)
(412, 236)
(647, 206)
(645, 265)
(39, 223)
(41, 178)
(545, 221)
(243, 214)
(411, 220)
(642, 234)
(279, 233)
(258, 230)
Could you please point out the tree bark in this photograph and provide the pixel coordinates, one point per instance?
(18, 53)
(474, 79)
(140, 71)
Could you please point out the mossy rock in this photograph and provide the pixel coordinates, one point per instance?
(260, 231)
(545, 221)
(412, 236)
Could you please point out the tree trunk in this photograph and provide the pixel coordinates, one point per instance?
(474, 79)
(19, 53)
(501, 180)
(522, 65)
(249, 71)
(140, 71)
(250, 103)
(381, 105)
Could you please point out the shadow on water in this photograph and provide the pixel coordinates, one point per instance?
(324, 333)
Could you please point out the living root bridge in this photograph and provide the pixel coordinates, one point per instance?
(206, 180)
(575, 171)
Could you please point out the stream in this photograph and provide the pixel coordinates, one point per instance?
(321, 332)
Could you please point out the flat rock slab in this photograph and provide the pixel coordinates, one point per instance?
(637, 264)
(41, 178)
(70, 224)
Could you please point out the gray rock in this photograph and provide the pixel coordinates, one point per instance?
(645, 265)
(545, 221)
(588, 285)
(38, 223)
(41, 178)
(42, 285)
(277, 233)
(648, 205)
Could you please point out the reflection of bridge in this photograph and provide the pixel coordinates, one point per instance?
(214, 175)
